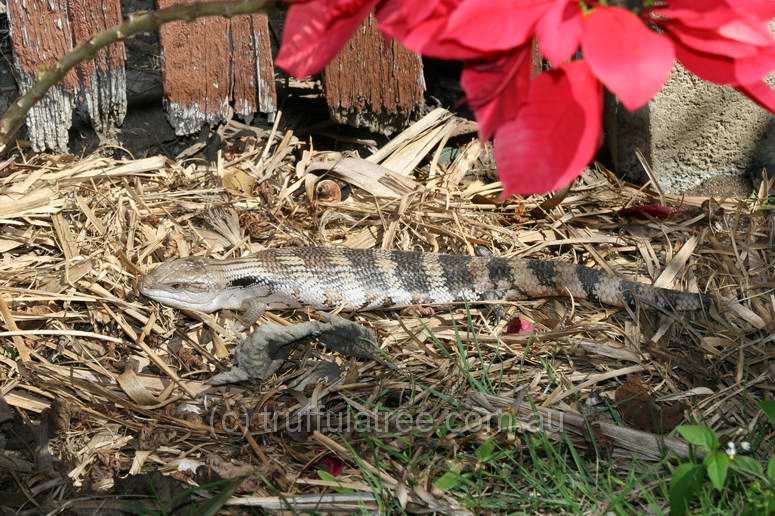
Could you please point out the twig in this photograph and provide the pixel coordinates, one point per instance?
(65, 333)
(161, 364)
(14, 117)
(21, 346)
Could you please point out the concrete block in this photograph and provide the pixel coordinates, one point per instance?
(698, 137)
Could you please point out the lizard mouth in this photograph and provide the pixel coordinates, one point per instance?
(175, 299)
(174, 295)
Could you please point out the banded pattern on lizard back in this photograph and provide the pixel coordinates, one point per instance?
(358, 279)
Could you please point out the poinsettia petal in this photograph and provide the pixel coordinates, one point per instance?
(423, 32)
(315, 31)
(555, 134)
(410, 12)
(708, 41)
(705, 14)
(518, 325)
(642, 211)
(725, 70)
(763, 10)
(709, 67)
(743, 20)
(631, 60)
(745, 31)
(332, 464)
(497, 88)
(760, 93)
(495, 25)
(559, 31)
(755, 68)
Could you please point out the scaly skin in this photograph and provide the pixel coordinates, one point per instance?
(359, 280)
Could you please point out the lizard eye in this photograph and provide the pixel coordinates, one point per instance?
(176, 286)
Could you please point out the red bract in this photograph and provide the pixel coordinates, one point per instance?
(559, 31)
(760, 9)
(495, 25)
(517, 325)
(719, 15)
(642, 211)
(634, 67)
(332, 464)
(315, 30)
(759, 93)
(423, 31)
(563, 105)
(700, 38)
(496, 88)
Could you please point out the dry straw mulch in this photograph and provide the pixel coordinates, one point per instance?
(122, 381)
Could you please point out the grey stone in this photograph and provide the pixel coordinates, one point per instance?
(695, 135)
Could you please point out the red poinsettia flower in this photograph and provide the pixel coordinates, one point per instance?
(555, 134)
(630, 59)
(528, 122)
(548, 128)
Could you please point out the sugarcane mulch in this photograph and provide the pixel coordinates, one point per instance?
(100, 385)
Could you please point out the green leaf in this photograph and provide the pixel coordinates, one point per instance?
(441, 430)
(699, 435)
(686, 481)
(768, 407)
(717, 465)
(748, 465)
(325, 475)
(485, 450)
(215, 504)
(771, 470)
(448, 480)
(507, 422)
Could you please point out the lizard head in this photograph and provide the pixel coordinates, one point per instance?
(186, 283)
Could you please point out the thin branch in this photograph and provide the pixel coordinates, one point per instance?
(139, 22)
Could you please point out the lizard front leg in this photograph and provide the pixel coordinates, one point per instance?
(250, 311)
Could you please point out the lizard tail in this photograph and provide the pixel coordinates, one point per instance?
(546, 278)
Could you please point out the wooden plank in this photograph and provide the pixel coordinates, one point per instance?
(244, 56)
(103, 79)
(374, 84)
(254, 87)
(195, 71)
(40, 35)
(212, 62)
